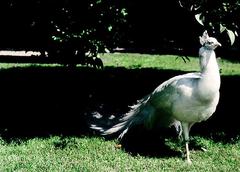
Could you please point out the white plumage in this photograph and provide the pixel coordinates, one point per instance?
(180, 101)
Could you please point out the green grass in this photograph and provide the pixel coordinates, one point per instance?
(95, 154)
(56, 154)
(138, 61)
(135, 61)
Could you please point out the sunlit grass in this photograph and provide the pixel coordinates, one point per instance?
(96, 154)
(134, 61)
(25, 65)
(138, 61)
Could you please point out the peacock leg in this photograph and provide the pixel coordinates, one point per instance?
(188, 154)
(186, 127)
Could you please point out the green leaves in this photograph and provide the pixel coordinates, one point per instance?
(231, 36)
(199, 18)
(230, 33)
(219, 16)
(88, 27)
(222, 28)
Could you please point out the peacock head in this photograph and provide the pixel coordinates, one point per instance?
(209, 42)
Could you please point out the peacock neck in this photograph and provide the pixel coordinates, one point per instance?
(210, 77)
(208, 63)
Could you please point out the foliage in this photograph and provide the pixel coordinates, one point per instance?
(91, 25)
(219, 16)
(67, 27)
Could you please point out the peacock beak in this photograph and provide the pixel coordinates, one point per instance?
(218, 44)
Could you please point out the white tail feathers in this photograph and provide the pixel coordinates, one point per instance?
(131, 118)
(123, 126)
(119, 127)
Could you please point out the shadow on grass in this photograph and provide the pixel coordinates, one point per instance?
(43, 101)
(150, 143)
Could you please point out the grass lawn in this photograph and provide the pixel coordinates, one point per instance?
(95, 154)
(135, 61)
(57, 153)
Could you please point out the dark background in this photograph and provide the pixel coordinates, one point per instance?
(43, 101)
(151, 26)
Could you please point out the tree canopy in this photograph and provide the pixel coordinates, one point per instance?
(73, 26)
(219, 16)
(87, 27)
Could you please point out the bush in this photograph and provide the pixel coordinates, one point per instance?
(63, 28)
